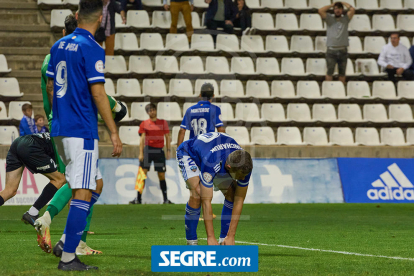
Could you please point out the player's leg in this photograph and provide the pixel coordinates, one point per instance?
(12, 184)
(226, 212)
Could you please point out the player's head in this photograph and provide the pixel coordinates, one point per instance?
(151, 110)
(27, 110)
(207, 91)
(70, 25)
(90, 12)
(239, 164)
(39, 120)
(395, 39)
(338, 9)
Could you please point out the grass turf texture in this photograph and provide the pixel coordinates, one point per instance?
(125, 235)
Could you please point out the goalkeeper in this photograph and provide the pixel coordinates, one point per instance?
(62, 197)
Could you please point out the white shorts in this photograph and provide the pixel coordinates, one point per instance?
(98, 174)
(81, 160)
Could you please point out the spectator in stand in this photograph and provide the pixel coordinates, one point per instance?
(106, 32)
(243, 18)
(136, 3)
(183, 6)
(412, 58)
(27, 124)
(220, 14)
(40, 124)
(396, 59)
(337, 37)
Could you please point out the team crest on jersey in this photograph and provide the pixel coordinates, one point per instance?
(193, 168)
(99, 66)
(207, 177)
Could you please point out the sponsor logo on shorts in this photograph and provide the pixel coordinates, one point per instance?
(43, 168)
(193, 168)
(207, 177)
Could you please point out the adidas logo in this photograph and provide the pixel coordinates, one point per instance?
(392, 185)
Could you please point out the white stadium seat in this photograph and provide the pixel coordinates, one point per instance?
(263, 136)
(129, 135)
(391, 4)
(392, 136)
(333, 89)
(308, 89)
(226, 111)
(360, 22)
(292, 66)
(181, 88)
(15, 109)
(405, 89)
(375, 113)
(138, 111)
(283, 89)
(408, 4)
(277, 44)
(57, 18)
(8, 134)
(289, 136)
(315, 136)
(367, 136)
(128, 88)
(405, 22)
(138, 19)
(410, 136)
(301, 44)
(239, 133)
(341, 136)
(358, 89)
(317, 4)
(154, 87)
(199, 83)
(311, 21)
(187, 105)
(119, 24)
(324, 113)
(4, 68)
(299, 112)
(374, 44)
(355, 45)
(367, 4)
(126, 42)
(177, 42)
(296, 4)
(202, 42)
(253, 4)
(200, 4)
(169, 111)
(349, 113)
(383, 22)
(272, 4)
(3, 111)
(252, 43)
(166, 64)
(316, 66)
(217, 65)
(267, 66)
(248, 112)
(273, 112)
(49, 2)
(192, 65)
(161, 19)
(228, 42)
(195, 20)
(257, 89)
(115, 65)
(383, 90)
(320, 44)
(263, 21)
(174, 135)
(9, 87)
(400, 112)
(152, 3)
(109, 87)
(232, 88)
(140, 64)
(286, 21)
(151, 41)
(367, 66)
(242, 65)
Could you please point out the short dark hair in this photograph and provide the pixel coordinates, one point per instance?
(395, 33)
(70, 24)
(240, 160)
(149, 106)
(38, 116)
(338, 5)
(89, 10)
(207, 91)
(26, 107)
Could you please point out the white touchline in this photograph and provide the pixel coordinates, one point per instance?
(324, 250)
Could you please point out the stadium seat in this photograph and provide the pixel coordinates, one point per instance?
(406, 89)
(129, 135)
(138, 19)
(301, 44)
(367, 136)
(367, 4)
(333, 90)
(349, 113)
(355, 45)
(200, 83)
(195, 20)
(299, 112)
(192, 65)
(242, 65)
(169, 111)
(181, 88)
(174, 135)
(391, 4)
(109, 87)
(311, 21)
(315, 136)
(383, 90)
(253, 4)
(308, 89)
(115, 65)
(358, 89)
(128, 88)
(392, 136)
(3, 111)
(317, 4)
(341, 136)
(248, 112)
(410, 136)
(257, 89)
(375, 113)
(166, 64)
(161, 19)
(272, 4)
(186, 106)
(367, 66)
(252, 43)
(226, 111)
(9, 87)
(263, 21)
(273, 112)
(267, 66)
(138, 111)
(49, 2)
(15, 109)
(400, 113)
(408, 4)
(349, 68)
(383, 22)
(227, 42)
(405, 22)
(374, 44)
(232, 89)
(119, 24)
(283, 89)
(263, 136)
(324, 113)
(202, 42)
(277, 44)
(200, 4)
(57, 18)
(289, 136)
(154, 87)
(360, 22)
(239, 133)
(8, 134)
(126, 42)
(292, 66)
(316, 66)
(140, 64)
(3, 64)
(286, 21)
(320, 44)
(217, 65)
(151, 41)
(152, 3)
(177, 42)
(296, 4)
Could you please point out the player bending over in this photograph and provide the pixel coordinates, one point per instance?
(214, 159)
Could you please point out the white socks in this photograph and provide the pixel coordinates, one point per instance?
(33, 211)
(67, 257)
(46, 218)
(63, 238)
(118, 107)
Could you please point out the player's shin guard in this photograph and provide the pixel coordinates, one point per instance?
(191, 221)
(47, 194)
(75, 224)
(59, 201)
(226, 218)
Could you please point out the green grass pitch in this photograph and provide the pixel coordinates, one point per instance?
(125, 235)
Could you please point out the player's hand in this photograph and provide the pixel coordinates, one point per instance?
(212, 241)
(229, 241)
(141, 157)
(166, 7)
(116, 142)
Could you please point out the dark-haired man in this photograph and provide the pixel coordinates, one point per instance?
(151, 146)
(214, 159)
(203, 117)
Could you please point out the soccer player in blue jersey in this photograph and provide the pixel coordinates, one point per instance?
(214, 160)
(76, 72)
(203, 117)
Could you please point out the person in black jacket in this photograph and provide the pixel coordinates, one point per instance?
(220, 14)
(136, 3)
(243, 18)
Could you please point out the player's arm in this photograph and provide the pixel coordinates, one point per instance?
(168, 140)
(102, 103)
(239, 196)
(221, 129)
(323, 11)
(206, 197)
(141, 147)
(181, 135)
(49, 90)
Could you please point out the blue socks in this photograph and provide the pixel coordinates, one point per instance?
(75, 224)
(226, 218)
(94, 199)
(191, 221)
